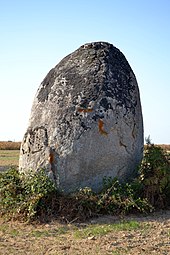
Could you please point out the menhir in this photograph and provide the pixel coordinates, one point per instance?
(86, 120)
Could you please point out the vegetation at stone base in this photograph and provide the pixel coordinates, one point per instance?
(34, 197)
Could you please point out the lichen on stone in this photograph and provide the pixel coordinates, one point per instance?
(89, 105)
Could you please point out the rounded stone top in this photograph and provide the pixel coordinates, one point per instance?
(98, 66)
(98, 50)
(97, 45)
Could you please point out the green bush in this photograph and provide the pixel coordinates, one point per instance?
(155, 176)
(22, 195)
(11, 191)
(121, 198)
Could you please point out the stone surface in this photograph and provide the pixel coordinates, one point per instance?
(86, 120)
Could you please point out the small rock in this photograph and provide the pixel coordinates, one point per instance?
(91, 238)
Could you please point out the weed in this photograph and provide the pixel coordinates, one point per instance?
(21, 195)
(121, 198)
(120, 251)
(116, 252)
(14, 232)
(6, 229)
(46, 233)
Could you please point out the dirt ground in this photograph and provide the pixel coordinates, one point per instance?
(151, 236)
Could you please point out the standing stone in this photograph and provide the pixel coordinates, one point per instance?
(86, 120)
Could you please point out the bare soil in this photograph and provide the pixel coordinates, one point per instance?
(151, 237)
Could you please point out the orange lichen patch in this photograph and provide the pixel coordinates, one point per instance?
(101, 126)
(85, 110)
(51, 158)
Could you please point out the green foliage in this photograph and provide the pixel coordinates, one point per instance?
(121, 198)
(10, 191)
(34, 196)
(155, 176)
(115, 198)
(22, 195)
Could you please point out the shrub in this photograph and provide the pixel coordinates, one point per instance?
(11, 191)
(155, 175)
(23, 196)
(121, 198)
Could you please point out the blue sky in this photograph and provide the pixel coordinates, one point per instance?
(36, 34)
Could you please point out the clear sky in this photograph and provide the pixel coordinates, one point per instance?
(36, 34)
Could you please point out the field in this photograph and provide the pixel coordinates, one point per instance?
(134, 234)
(104, 235)
(9, 154)
(9, 145)
(9, 157)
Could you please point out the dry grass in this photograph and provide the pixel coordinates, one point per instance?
(165, 146)
(100, 236)
(9, 154)
(9, 145)
(9, 158)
